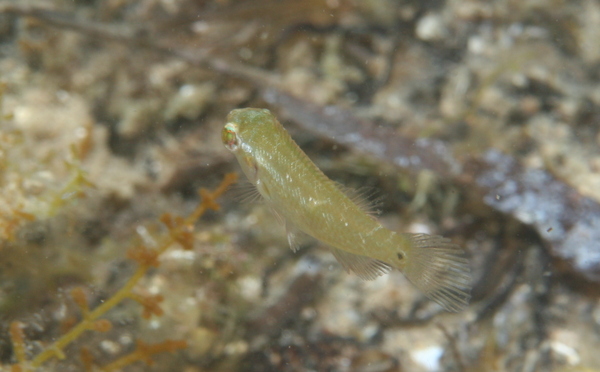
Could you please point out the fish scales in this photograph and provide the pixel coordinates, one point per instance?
(308, 201)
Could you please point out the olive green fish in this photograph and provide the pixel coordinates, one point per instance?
(307, 200)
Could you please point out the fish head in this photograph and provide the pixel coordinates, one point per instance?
(244, 129)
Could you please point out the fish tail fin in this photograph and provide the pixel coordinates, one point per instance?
(438, 267)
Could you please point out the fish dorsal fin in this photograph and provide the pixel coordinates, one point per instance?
(363, 197)
(365, 267)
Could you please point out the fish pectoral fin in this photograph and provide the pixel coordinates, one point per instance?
(366, 268)
(246, 192)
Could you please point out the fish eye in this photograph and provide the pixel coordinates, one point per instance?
(229, 136)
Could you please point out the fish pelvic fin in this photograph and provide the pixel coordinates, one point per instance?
(294, 235)
(439, 269)
(366, 268)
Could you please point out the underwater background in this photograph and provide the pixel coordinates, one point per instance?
(472, 119)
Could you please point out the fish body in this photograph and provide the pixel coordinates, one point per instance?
(308, 201)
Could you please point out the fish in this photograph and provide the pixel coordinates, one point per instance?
(307, 201)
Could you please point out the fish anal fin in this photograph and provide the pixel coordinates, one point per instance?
(365, 267)
(363, 197)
